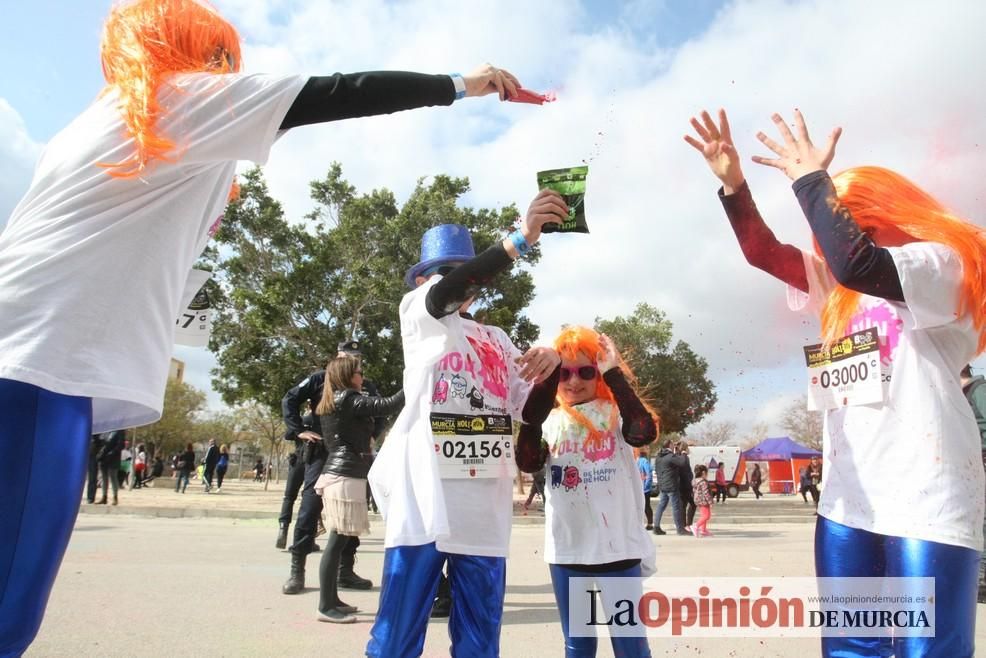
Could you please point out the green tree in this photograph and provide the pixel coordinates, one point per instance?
(179, 419)
(672, 379)
(286, 294)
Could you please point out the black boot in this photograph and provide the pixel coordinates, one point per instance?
(296, 582)
(348, 579)
(282, 537)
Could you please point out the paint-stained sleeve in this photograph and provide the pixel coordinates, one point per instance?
(531, 451)
(758, 243)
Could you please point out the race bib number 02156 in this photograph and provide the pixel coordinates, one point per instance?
(848, 373)
(473, 446)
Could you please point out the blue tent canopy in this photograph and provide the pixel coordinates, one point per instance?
(781, 448)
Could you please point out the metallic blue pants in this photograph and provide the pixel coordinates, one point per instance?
(44, 443)
(410, 580)
(843, 552)
(585, 647)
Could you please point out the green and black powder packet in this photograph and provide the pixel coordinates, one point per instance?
(570, 183)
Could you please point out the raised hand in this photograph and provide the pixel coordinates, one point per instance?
(797, 156)
(717, 149)
(487, 79)
(548, 206)
(608, 357)
(537, 363)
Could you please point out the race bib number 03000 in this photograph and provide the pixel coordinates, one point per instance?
(473, 446)
(848, 373)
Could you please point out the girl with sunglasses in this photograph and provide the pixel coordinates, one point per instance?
(593, 497)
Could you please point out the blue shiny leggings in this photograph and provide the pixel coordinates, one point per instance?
(844, 552)
(410, 580)
(44, 443)
(585, 647)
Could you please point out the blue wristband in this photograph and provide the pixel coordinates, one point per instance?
(520, 243)
(460, 85)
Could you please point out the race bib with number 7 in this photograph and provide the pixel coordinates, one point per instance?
(846, 374)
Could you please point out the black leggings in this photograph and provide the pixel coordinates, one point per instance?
(328, 571)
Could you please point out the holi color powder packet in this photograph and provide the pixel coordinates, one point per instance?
(570, 183)
(528, 96)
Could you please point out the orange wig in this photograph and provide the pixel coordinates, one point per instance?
(574, 340)
(879, 198)
(145, 41)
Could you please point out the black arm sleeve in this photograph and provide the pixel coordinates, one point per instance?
(639, 427)
(541, 399)
(346, 96)
(532, 452)
(852, 256)
(364, 405)
(446, 296)
(310, 389)
(761, 249)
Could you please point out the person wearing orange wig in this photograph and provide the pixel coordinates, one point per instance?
(593, 498)
(95, 257)
(887, 256)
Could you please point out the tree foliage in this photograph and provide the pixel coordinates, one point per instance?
(672, 378)
(287, 293)
(179, 419)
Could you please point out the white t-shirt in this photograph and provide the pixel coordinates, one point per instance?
(92, 267)
(461, 515)
(594, 504)
(911, 466)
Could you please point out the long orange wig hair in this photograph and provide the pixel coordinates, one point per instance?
(880, 198)
(569, 343)
(145, 41)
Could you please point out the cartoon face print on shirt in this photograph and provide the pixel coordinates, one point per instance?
(888, 324)
(458, 386)
(476, 399)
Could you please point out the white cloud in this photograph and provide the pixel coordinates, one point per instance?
(899, 87)
(897, 75)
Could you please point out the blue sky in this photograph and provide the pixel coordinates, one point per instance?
(628, 76)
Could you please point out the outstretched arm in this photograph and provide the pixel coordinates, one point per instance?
(760, 247)
(466, 280)
(853, 257)
(346, 96)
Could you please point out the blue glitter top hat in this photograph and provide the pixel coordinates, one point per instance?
(441, 245)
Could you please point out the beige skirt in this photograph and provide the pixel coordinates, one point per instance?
(344, 504)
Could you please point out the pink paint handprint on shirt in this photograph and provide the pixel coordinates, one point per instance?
(493, 371)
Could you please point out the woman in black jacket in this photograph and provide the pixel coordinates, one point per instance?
(347, 420)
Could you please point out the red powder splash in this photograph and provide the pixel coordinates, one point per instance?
(533, 97)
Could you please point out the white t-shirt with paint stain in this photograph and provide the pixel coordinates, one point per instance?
(910, 466)
(594, 504)
(452, 366)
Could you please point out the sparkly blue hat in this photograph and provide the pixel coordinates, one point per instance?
(441, 245)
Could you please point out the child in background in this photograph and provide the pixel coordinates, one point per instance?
(703, 502)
